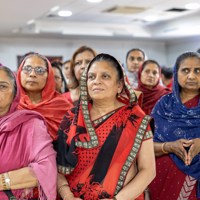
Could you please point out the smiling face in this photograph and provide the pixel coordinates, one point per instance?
(6, 92)
(150, 75)
(189, 74)
(103, 82)
(33, 82)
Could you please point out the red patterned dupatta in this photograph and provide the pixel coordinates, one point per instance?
(96, 156)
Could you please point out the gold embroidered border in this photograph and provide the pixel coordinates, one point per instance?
(133, 153)
(64, 170)
(148, 135)
(98, 121)
(84, 103)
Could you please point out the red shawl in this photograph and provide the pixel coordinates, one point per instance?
(53, 105)
(150, 96)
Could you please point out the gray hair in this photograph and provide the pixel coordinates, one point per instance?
(12, 78)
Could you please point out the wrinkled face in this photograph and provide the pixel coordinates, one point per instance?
(6, 93)
(189, 74)
(150, 75)
(32, 81)
(58, 79)
(134, 61)
(67, 70)
(103, 82)
(81, 61)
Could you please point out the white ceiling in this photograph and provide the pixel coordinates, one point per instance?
(90, 19)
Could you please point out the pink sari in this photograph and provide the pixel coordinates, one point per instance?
(25, 142)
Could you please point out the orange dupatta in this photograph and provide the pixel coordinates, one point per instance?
(53, 105)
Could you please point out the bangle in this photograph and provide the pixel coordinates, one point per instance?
(5, 181)
(61, 187)
(114, 198)
(162, 147)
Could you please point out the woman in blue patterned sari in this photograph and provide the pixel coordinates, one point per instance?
(177, 134)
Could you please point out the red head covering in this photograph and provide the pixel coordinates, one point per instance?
(53, 105)
(150, 96)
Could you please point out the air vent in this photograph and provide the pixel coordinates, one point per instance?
(125, 10)
(52, 16)
(176, 10)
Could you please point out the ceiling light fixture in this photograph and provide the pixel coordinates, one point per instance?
(192, 6)
(64, 13)
(151, 18)
(55, 8)
(30, 21)
(94, 1)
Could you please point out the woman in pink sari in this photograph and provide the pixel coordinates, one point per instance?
(26, 153)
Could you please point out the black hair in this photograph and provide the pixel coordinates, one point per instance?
(185, 56)
(135, 49)
(57, 66)
(67, 61)
(110, 59)
(167, 72)
(12, 78)
(31, 54)
(150, 61)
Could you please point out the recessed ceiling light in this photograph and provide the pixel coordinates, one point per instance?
(55, 8)
(192, 6)
(94, 1)
(31, 21)
(64, 13)
(151, 18)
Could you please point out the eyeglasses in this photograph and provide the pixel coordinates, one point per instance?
(38, 70)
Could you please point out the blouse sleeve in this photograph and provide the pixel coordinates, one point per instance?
(43, 159)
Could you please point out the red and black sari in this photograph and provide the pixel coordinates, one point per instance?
(96, 166)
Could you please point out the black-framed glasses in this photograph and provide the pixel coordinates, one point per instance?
(38, 70)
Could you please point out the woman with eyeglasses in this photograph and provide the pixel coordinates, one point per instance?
(26, 151)
(37, 85)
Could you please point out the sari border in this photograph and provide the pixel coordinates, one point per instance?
(148, 135)
(133, 153)
(64, 170)
(86, 115)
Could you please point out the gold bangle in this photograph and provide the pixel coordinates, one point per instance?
(62, 186)
(5, 181)
(162, 147)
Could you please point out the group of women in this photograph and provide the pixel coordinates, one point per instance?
(102, 138)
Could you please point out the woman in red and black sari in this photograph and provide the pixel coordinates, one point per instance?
(149, 85)
(105, 148)
(177, 135)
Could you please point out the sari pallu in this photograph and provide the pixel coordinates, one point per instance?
(173, 121)
(22, 146)
(100, 171)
